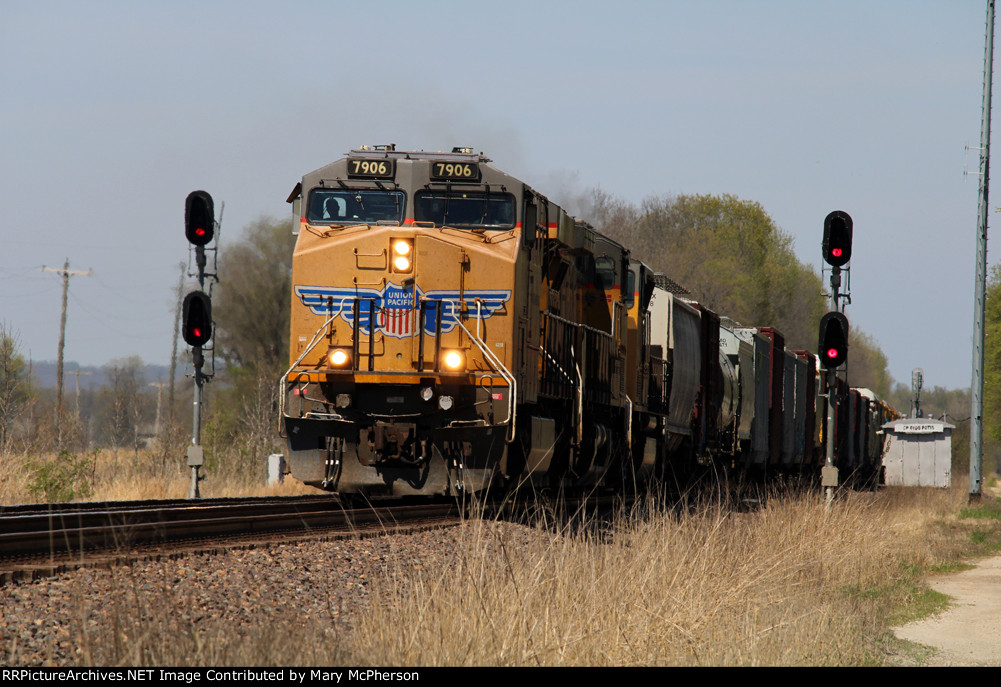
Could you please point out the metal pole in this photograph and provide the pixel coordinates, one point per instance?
(977, 388)
(196, 431)
(196, 456)
(829, 477)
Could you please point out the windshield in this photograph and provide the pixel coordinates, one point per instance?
(347, 206)
(494, 211)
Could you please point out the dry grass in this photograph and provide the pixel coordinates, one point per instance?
(788, 585)
(103, 476)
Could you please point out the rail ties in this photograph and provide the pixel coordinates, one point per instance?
(44, 532)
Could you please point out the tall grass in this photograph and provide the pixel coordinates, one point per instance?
(103, 475)
(790, 584)
(699, 583)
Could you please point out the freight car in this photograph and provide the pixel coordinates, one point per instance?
(453, 329)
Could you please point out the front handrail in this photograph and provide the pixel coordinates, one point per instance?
(491, 358)
(284, 379)
(494, 361)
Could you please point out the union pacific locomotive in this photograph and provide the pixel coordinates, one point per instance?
(453, 329)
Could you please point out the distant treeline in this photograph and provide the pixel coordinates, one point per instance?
(91, 377)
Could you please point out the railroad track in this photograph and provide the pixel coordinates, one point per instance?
(44, 539)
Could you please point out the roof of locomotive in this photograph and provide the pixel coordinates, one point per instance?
(458, 154)
(336, 173)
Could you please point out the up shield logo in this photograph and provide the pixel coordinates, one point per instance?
(394, 309)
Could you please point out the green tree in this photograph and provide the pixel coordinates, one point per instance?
(15, 386)
(728, 252)
(251, 309)
(252, 305)
(867, 366)
(992, 364)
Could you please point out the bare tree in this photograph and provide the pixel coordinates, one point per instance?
(123, 403)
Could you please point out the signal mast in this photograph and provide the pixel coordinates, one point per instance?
(196, 326)
(833, 340)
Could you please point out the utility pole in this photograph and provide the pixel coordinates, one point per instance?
(66, 272)
(173, 351)
(977, 388)
(159, 394)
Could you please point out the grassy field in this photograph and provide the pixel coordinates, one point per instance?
(124, 476)
(701, 583)
(789, 584)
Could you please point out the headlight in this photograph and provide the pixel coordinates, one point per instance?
(339, 357)
(402, 250)
(453, 360)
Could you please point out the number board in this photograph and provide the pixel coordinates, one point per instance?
(371, 169)
(455, 171)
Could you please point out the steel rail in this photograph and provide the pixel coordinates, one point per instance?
(36, 539)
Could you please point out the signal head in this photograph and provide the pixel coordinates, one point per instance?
(199, 218)
(196, 326)
(837, 244)
(833, 343)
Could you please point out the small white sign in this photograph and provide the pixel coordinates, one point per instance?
(919, 428)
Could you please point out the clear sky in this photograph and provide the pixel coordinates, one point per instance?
(112, 112)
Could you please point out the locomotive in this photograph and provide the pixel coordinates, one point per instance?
(453, 329)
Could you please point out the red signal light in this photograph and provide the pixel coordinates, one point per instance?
(196, 327)
(199, 218)
(833, 340)
(837, 245)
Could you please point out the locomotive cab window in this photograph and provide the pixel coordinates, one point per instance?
(466, 210)
(347, 206)
(604, 268)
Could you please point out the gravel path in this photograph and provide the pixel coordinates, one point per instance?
(225, 608)
(968, 633)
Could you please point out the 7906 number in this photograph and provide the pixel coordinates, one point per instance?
(454, 170)
(372, 168)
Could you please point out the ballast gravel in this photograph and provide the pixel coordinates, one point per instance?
(304, 595)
